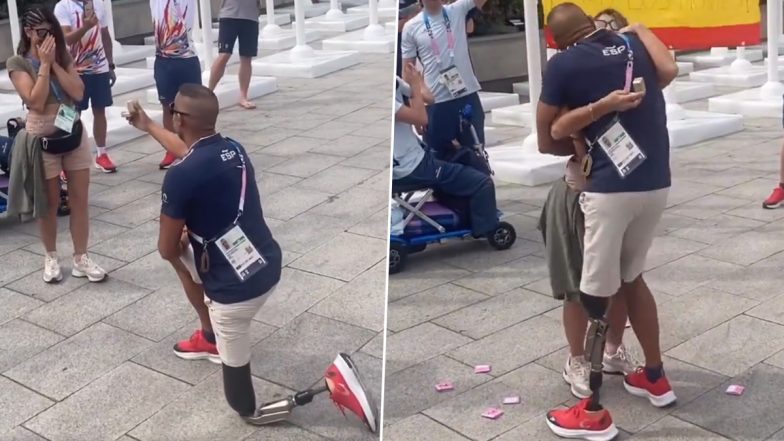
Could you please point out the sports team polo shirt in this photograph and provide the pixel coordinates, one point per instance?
(172, 21)
(204, 190)
(88, 53)
(589, 71)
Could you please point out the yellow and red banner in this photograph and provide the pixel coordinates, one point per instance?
(686, 24)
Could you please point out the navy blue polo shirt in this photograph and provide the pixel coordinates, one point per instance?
(589, 71)
(204, 190)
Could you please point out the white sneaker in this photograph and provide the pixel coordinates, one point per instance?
(52, 273)
(576, 372)
(622, 362)
(83, 266)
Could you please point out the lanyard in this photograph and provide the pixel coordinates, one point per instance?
(243, 188)
(629, 63)
(450, 38)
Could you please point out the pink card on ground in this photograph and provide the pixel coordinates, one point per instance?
(512, 400)
(735, 389)
(482, 369)
(492, 413)
(444, 386)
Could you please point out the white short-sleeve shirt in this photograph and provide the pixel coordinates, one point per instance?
(416, 43)
(88, 54)
(173, 21)
(407, 151)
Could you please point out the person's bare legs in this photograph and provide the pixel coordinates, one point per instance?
(47, 225)
(781, 165)
(195, 294)
(99, 128)
(644, 318)
(218, 69)
(168, 118)
(616, 318)
(246, 70)
(78, 184)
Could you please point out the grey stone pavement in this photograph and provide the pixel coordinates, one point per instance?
(715, 271)
(92, 362)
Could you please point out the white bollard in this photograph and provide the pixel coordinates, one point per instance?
(271, 29)
(301, 51)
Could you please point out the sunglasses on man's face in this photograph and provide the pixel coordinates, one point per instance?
(175, 111)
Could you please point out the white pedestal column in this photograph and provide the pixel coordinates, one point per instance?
(773, 89)
(374, 31)
(206, 31)
(534, 59)
(13, 19)
(334, 12)
(301, 51)
(271, 29)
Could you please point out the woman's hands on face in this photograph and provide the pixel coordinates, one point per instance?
(46, 50)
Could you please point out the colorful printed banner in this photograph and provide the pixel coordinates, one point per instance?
(686, 24)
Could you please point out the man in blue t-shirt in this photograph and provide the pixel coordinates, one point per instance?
(628, 179)
(213, 193)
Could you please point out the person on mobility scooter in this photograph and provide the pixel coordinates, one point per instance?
(465, 203)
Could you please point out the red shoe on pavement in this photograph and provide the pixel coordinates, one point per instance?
(104, 164)
(347, 391)
(660, 393)
(167, 161)
(577, 422)
(775, 199)
(197, 348)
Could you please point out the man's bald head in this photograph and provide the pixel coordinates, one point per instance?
(569, 24)
(200, 105)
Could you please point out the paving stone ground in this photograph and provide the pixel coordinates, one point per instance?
(94, 362)
(714, 269)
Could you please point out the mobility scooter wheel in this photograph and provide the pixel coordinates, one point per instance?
(397, 258)
(503, 237)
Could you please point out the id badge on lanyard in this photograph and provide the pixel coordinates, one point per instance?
(450, 77)
(233, 243)
(66, 117)
(624, 153)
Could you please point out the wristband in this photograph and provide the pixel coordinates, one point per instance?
(111, 66)
(590, 110)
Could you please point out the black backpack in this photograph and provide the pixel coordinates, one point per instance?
(7, 144)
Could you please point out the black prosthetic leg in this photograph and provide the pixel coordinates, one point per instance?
(596, 307)
(238, 387)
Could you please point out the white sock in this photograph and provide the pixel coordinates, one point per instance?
(100, 150)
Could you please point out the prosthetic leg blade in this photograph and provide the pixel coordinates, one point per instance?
(272, 412)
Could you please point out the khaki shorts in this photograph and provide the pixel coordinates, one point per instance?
(231, 325)
(189, 260)
(619, 231)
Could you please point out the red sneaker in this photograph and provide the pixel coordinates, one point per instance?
(197, 348)
(347, 391)
(576, 422)
(104, 164)
(660, 393)
(167, 161)
(775, 199)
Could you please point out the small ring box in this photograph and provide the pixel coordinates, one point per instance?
(492, 413)
(512, 400)
(735, 389)
(444, 386)
(482, 369)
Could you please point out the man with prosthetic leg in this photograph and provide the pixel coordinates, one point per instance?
(212, 192)
(627, 175)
